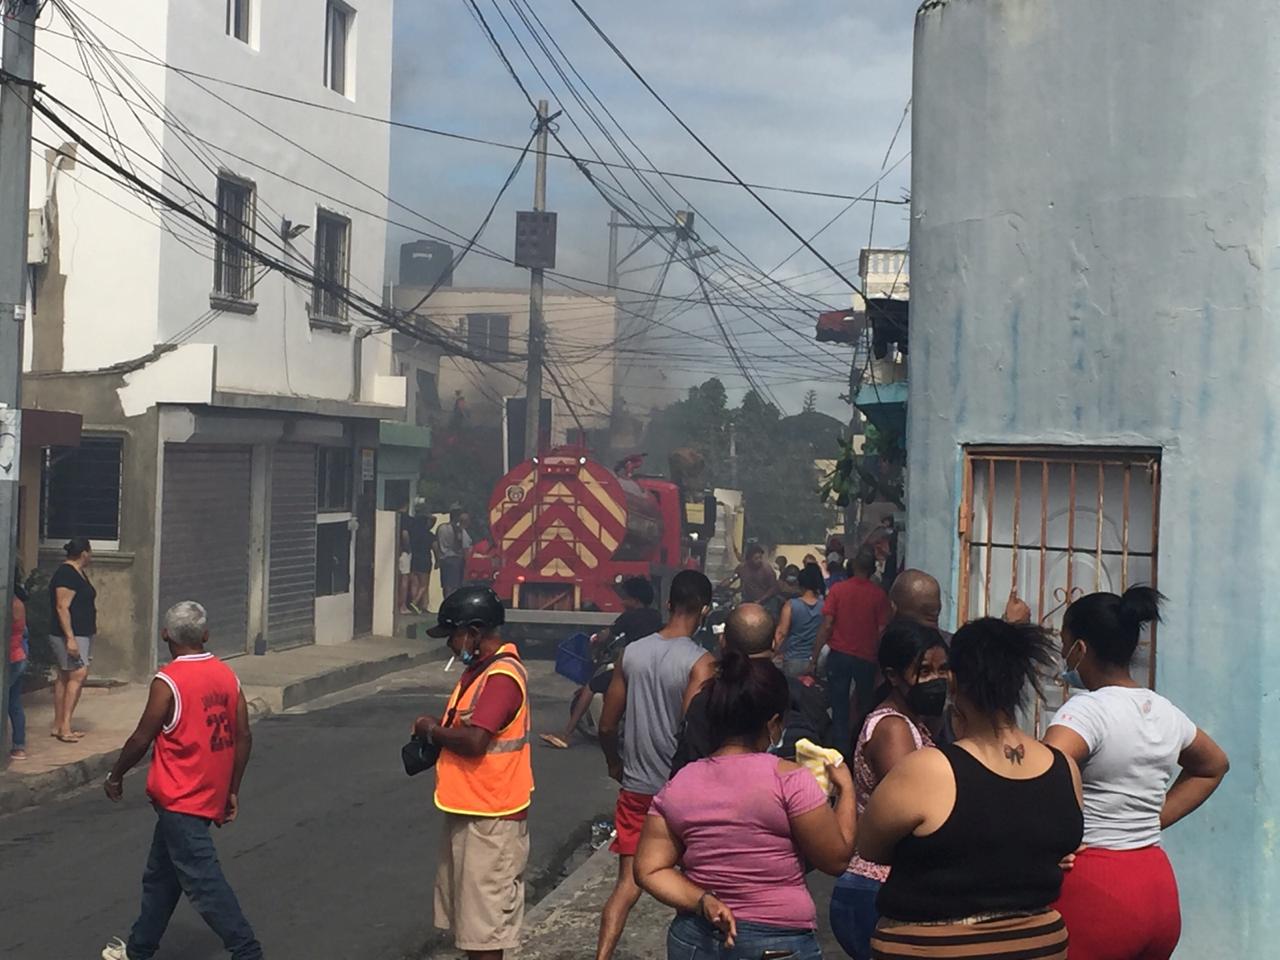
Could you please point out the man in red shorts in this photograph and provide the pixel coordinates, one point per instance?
(652, 684)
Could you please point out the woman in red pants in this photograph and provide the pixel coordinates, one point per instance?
(1120, 901)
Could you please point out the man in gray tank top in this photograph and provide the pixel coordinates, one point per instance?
(652, 685)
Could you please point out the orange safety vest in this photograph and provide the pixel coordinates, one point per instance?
(500, 782)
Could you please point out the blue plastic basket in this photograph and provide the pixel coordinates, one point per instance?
(573, 659)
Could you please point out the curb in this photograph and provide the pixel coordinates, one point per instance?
(43, 787)
(344, 678)
(603, 861)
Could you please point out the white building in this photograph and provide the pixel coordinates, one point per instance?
(231, 412)
(493, 325)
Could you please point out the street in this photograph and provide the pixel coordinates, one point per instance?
(334, 853)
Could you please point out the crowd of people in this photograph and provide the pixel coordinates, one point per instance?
(951, 830)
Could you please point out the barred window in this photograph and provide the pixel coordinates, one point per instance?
(80, 491)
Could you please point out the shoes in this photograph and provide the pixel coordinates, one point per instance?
(115, 950)
(18, 754)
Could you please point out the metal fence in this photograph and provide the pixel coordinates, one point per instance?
(1051, 524)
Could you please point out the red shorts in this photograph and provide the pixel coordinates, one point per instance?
(628, 820)
(1121, 905)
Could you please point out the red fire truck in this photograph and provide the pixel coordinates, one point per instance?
(565, 530)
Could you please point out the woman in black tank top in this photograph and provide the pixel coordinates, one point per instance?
(975, 832)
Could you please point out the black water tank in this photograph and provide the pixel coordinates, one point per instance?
(424, 262)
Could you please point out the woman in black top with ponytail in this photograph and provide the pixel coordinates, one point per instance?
(975, 831)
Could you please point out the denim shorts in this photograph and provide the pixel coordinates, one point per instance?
(692, 938)
(59, 646)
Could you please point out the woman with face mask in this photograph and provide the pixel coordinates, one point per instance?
(726, 840)
(913, 662)
(1145, 766)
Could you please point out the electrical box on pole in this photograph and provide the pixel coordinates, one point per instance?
(535, 240)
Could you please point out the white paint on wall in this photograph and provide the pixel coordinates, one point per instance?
(385, 573)
(184, 375)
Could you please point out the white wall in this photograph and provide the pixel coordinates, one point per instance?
(109, 240)
(277, 350)
(126, 276)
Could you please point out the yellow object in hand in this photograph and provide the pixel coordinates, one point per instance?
(815, 759)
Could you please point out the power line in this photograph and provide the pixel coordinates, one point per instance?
(710, 152)
(450, 134)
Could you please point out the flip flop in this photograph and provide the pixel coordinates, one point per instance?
(551, 740)
(71, 739)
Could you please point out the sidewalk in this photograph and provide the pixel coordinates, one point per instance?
(564, 924)
(271, 683)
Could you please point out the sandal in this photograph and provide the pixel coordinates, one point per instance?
(551, 740)
(74, 737)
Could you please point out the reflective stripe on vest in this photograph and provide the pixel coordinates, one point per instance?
(500, 782)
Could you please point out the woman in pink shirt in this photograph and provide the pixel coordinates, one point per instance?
(726, 841)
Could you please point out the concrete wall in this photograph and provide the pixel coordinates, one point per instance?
(1094, 262)
(126, 647)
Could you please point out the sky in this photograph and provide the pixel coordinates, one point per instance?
(795, 93)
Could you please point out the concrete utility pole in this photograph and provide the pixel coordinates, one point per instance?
(15, 162)
(537, 325)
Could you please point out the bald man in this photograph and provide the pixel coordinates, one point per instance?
(916, 596)
(749, 629)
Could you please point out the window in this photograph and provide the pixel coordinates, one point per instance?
(80, 491)
(232, 263)
(489, 334)
(332, 253)
(238, 19)
(1053, 523)
(333, 480)
(333, 558)
(395, 494)
(337, 36)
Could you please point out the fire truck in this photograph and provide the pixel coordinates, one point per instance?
(565, 530)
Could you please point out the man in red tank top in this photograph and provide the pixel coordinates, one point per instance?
(196, 723)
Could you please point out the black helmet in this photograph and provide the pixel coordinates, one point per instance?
(468, 606)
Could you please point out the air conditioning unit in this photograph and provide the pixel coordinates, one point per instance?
(37, 238)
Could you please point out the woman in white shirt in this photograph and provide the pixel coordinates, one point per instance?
(1145, 766)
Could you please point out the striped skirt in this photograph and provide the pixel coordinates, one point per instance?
(1041, 937)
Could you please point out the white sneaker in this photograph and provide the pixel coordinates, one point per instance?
(115, 950)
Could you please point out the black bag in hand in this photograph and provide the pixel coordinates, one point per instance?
(419, 755)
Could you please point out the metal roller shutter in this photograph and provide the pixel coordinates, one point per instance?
(204, 537)
(291, 578)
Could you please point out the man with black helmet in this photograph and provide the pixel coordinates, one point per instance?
(484, 779)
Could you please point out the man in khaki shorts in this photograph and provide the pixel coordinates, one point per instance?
(484, 779)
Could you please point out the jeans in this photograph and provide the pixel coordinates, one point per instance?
(692, 938)
(17, 716)
(845, 674)
(451, 570)
(854, 915)
(183, 860)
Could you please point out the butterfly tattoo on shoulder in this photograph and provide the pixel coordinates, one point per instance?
(1015, 754)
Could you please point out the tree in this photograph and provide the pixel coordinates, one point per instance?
(811, 401)
(775, 466)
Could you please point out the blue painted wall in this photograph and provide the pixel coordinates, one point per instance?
(1095, 260)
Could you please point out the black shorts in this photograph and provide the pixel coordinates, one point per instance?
(420, 563)
(600, 682)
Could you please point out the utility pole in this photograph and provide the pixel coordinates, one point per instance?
(537, 326)
(15, 160)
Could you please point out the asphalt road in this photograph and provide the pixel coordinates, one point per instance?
(333, 856)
